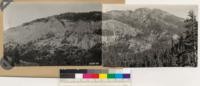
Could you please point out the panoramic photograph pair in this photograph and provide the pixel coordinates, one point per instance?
(100, 35)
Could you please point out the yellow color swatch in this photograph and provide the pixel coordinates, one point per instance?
(102, 76)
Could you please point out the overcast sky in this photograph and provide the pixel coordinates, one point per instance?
(178, 10)
(18, 13)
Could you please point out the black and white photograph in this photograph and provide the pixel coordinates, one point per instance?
(53, 34)
(149, 35)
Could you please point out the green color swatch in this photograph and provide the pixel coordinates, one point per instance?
(111, 76)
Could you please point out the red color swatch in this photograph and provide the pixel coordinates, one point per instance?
(90, 76)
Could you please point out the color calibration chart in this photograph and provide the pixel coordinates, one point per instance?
(95, 77)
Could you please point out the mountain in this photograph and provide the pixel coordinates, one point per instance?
(143, 33)
(150, 25)
(69, 36)
(121, 38)
(145, 18)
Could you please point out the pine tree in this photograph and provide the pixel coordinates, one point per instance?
(190, 40)
(191, 34)
(187, 46)
(184, 53)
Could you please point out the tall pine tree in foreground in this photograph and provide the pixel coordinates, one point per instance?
(190, 40)
(185, 51)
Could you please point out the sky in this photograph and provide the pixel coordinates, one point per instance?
(18, 13)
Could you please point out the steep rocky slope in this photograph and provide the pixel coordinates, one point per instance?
(65, 39)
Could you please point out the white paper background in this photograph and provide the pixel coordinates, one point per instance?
(141, 76)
